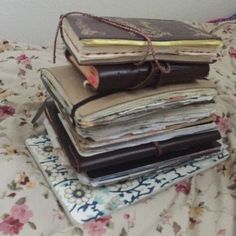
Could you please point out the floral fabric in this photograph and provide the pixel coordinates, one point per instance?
(202, 205)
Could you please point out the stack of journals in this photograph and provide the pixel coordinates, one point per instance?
(104, 53)
(117, 120)
(129, 133)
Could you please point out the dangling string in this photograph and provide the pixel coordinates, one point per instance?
(133, 29)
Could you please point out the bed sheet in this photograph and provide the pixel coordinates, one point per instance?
(202, 205)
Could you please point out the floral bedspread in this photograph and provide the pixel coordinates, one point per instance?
(202, 205)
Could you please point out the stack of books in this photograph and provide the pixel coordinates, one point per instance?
(118, 120)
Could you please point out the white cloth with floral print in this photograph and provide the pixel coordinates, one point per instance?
(202, 205)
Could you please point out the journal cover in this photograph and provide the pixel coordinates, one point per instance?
(131, 76)
(90, 28)
(83, 203)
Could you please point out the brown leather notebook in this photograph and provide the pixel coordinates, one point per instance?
(133, 156)
(87, 27)
(131, 76)
(93, 40)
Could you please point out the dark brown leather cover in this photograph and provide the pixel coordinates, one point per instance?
(133, 156)
(158, 30)
(130, 76)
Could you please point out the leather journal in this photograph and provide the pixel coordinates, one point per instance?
(131, 76)
(102, 40)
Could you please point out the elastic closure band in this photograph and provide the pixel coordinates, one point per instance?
(39, 111)
(85, 101)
